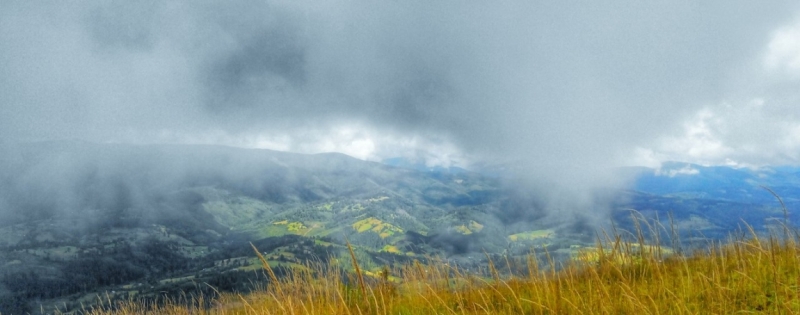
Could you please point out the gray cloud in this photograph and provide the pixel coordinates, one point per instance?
(564, 90)
(122, 25)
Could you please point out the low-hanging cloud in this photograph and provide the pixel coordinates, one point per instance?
(563, 91)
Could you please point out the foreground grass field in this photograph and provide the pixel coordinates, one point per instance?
(752, 275)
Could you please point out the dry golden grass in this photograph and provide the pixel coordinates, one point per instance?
(753, 275)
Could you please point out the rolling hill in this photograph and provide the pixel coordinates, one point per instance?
(80, 219)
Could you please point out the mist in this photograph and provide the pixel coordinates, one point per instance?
(115, 185)
(558, 93)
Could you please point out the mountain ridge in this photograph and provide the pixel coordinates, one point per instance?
(157, 218)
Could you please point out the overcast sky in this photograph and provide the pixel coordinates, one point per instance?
(550, 84)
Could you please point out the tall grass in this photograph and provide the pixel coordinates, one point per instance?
(618, 276)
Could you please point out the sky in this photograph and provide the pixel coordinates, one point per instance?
(563, 89)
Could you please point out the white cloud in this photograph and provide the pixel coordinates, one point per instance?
(755, 120)
(645, 157)
(783, 50)
(686, 170)
(351, 140)
(354, 139)
(744, 134)
(700, 141)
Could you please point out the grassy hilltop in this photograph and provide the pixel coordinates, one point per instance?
(753, 275)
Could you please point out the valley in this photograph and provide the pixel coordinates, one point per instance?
(174, 225)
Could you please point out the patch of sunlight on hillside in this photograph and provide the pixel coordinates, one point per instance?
(463, 230)
(473, 227)
(295, 227)
(327, 206)
(283, 227)
(375, 225)
(391, 249)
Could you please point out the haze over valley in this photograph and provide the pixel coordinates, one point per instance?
(144, 146)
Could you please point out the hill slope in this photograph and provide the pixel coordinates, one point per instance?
(78, 219)
(81, 218)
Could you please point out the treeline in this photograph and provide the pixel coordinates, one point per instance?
(144, 264)
(117, 264)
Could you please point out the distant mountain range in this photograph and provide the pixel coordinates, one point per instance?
(740, 184)
(161, 218)
(721, 182)
(710, 200)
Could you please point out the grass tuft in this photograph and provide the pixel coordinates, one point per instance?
(618, 276)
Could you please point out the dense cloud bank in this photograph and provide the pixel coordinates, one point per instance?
(97, 183)
(561, 91)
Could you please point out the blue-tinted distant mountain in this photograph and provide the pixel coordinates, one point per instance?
(710, 202)
(720, 182)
